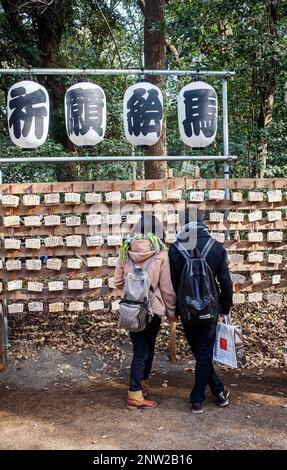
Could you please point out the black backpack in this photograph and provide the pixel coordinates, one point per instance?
(197, 293)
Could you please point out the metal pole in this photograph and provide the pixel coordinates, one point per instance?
(37, 71)
(137, 158)
(134, 165)
(225, 133)
(3, 315)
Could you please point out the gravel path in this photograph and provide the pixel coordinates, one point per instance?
(77, 401)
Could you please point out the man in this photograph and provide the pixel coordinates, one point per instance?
(201, 337)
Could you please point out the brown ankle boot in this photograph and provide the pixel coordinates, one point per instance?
(136, 401)
(145, 388)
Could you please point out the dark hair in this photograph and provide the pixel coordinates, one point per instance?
(149, 223)
(193, 215)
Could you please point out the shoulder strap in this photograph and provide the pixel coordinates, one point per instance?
(207, 247)
(148, 263)
(182, 250)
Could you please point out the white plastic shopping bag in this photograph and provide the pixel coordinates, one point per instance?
(229, 348)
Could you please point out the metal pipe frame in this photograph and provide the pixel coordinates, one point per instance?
(36, 71)
(120, 158)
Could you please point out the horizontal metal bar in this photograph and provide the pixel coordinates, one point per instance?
(120, 158)
(224, 73)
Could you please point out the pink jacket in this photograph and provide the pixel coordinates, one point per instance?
(159, 273)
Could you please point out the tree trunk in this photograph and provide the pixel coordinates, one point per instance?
(50, 27)
(267, 99)
(154, 56)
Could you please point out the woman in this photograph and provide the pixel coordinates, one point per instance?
(144, 243)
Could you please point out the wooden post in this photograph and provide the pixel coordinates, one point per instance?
(196, 172)
(172, 342)
(2, 349)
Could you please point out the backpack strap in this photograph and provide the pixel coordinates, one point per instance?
(148, 263)
(183, 251)
(207, 247)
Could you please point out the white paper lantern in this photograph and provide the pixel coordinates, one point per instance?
(85, 113)
(197, 114)
(142, 113)
(28, 114)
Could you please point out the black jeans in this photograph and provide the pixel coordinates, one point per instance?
(201, 340)
(143, 353)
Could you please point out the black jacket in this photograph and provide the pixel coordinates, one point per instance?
(217, 260)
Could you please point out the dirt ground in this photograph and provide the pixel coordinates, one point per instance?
(77, 401)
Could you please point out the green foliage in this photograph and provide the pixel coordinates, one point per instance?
(211, 34)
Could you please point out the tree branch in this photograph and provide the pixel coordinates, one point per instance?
(111, 33)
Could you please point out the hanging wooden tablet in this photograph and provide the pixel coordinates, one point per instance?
(75, 284)
(53, 242)
(72, 198)
(276, 279)
(11, 221)
(256, 278)
(113, 219)
(35, 286)
(196, 196)
(15, 308)
(255, 237)
(255, 297)
(236, 258)
(217, 217)
(56, 307)
(111, 283)
(94, 219)
(133, 218)
(114, 240)
(112, 261)
(216, 195)
(96, 240)
(35, 306)
(33, 264)
(93, 198)
(220, 237)
(274, 216)
(274, 258)
(236, 196)
(133, 196)
(32, 221)
(95, 283)
(54, 264)
(275, 237)
(173, 194)
(274, 298)
(274, 196)
(255, 216)
(74, 263)
(76, 306)
(96, 305)
(154, 196)
(255, 257)
(235, 217)
(12, 244)
(14, 285)
(10, 201)
(13, 265)
(31, 200)
(52, 220)
(73, 221)
(52, 199)
(74, 241)
(94, 262)
(238, 298)
(114, 196)
(33, 243)
(55, 286)
(255, 196)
